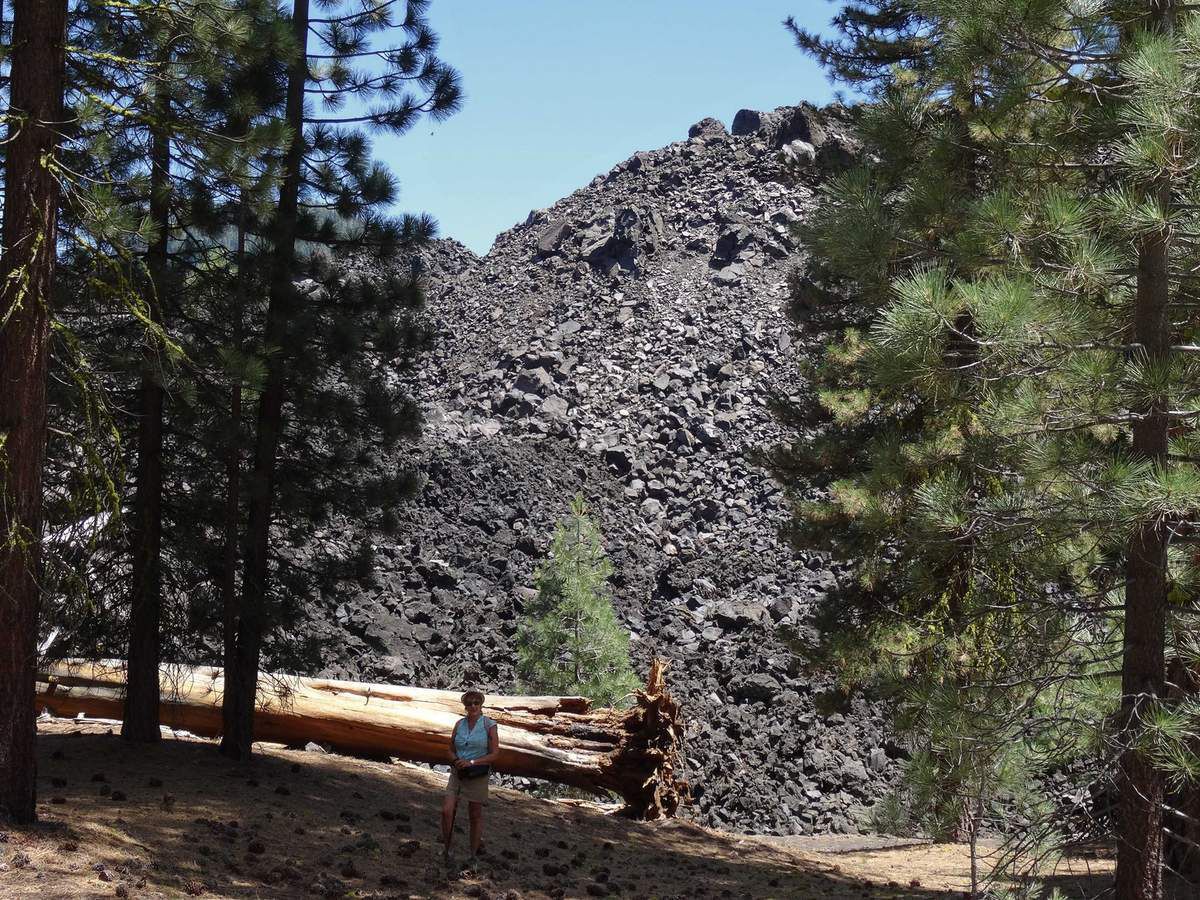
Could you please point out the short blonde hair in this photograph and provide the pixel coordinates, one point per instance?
(473, 695)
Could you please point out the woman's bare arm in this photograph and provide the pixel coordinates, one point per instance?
(454, 760)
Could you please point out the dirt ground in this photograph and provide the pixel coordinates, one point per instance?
(178, 820)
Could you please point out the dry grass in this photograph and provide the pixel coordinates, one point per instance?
(177, 820)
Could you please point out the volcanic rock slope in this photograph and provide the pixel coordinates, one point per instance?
(623, 344)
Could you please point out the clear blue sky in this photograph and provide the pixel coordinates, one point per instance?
(558, 91)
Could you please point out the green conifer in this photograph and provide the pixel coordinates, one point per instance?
(1052, 328)
(358, 79)
(569, 641)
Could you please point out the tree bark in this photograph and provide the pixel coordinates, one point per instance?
(141, 700)
(1143, 674)
(1182, 811)
(238, 710)
(632, 752)
(31, 195)
(1139, 874)
(233, 463)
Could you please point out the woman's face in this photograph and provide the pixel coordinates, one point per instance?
(473, 707)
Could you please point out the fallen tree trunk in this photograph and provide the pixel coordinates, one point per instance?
(633, 752)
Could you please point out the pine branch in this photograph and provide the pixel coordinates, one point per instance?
(358, 17)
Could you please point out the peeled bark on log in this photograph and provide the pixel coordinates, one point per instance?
(632, 752)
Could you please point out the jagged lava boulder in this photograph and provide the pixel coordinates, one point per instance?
(623, 343)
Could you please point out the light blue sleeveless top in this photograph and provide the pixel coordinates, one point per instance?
(472, 743)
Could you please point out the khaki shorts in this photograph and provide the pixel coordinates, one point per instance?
(473, 790)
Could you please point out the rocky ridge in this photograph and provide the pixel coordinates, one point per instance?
(624, 343)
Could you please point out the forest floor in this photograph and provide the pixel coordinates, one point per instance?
(177, 820)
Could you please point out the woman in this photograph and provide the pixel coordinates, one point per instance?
(474, 742)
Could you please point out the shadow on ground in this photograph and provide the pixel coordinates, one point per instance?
(176, 819)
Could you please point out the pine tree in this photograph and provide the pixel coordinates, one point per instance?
(889, 448)
(326, 178)
(1058, 320)
(568, 639)
(27, 261)
(252, 95)
(185, 46)
(150, 156)
(871, 41)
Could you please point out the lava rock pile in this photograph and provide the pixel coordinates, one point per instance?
(625, 343)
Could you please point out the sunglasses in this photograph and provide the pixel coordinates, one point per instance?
(473, 703)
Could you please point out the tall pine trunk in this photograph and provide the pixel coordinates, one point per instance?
(233, 463)
(242, 678)
(31, 195)
(1143, 678)
(142, 694)
(1143, 669)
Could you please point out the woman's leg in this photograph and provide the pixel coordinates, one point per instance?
(449, 807)
(475, 814)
